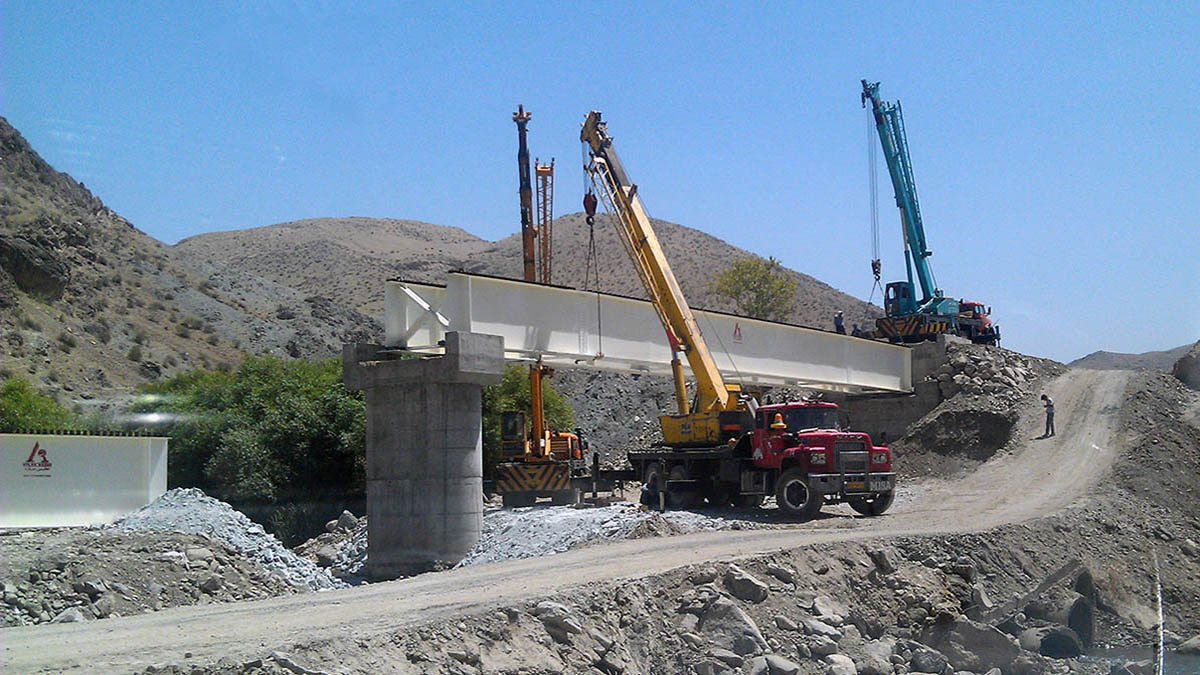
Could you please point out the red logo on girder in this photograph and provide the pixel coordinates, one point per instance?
(737, 333)
(37, 460)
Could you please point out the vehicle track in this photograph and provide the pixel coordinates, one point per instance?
(1030, 479)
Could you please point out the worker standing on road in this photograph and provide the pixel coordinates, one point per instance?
(1048, 403)
(837, 323)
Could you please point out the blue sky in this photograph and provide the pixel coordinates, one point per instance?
(1056, 148)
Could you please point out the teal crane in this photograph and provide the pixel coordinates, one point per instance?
(909, 317)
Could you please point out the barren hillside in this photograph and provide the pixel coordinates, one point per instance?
(349, 257)
(1102, 360)
(92, 305)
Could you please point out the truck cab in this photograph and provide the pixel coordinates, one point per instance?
(812, 461)
(974, 322)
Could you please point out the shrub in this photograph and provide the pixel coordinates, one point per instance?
(135, 353)
(66, 341)
(24, 408)
(29, 323)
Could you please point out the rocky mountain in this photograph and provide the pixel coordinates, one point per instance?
(1164, 360)
(90, 305)
(348, 258)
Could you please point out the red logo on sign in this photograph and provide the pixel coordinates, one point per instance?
(737, 333)
(37, 460)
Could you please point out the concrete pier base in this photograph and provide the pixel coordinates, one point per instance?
(424, 450)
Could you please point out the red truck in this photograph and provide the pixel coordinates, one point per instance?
(794, 451)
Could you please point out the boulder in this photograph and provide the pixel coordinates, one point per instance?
(821, 645)
(785, 574)
(724, 622)
(36, 270)
(1191, 646)
(873, 658)
(784, 623)
(727, 657)
(1187, 369)
(326, 556)
(212, 584)
(781, 666)
(1056, 641)
(744, 585)
(69, 615)
(347, 521)
(818, 627)
(557, 618)
(839, 664)
(970, 645)
(926, 660)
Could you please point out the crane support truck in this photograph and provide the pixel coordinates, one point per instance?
(910, 318)
(724, 447)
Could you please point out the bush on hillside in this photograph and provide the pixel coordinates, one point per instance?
(23, 408)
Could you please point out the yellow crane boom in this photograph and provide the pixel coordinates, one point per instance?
(619, 194)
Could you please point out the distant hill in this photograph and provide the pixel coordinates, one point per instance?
(348, 258)
(90, 305)
(1164, 360)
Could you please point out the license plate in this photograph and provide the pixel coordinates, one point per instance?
(855, 485)
(879, 486)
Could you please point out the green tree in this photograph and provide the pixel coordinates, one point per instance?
(283, 440)
(23, 408)
(758, 288)
(512, 393)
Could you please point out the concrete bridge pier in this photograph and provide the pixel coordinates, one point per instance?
(424, 450)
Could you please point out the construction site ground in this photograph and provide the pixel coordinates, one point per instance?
(1113, 488)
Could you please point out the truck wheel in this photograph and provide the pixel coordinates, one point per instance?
(874, 506)
(795, 498)
(655, 479)
(680, 499)
(748, 501)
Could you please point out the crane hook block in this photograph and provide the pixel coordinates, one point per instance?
(876, 268)
(589, 206)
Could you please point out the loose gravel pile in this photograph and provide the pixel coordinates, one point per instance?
(190, 510)
(535, 531)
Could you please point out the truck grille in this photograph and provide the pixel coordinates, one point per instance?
(850, 462)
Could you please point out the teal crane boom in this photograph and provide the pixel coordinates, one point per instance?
(910, 317)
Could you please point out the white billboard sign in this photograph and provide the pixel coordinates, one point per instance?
(52, 480)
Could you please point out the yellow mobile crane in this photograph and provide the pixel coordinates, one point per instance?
(725, 447)
(717, 410)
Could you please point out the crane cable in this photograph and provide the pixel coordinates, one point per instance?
(592, 261)
(873, 173)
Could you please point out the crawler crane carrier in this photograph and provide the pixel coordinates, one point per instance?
(723, 447)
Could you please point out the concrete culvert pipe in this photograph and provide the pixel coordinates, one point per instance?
(1057, 641)
(1071, 610)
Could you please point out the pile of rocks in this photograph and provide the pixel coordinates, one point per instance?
(979, 369)
(190, 510)
(342, 549)
(83, 574)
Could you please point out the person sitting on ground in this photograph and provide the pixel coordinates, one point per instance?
(837, 323)
(1048, 403)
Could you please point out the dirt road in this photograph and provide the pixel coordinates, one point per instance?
(1034, 478)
